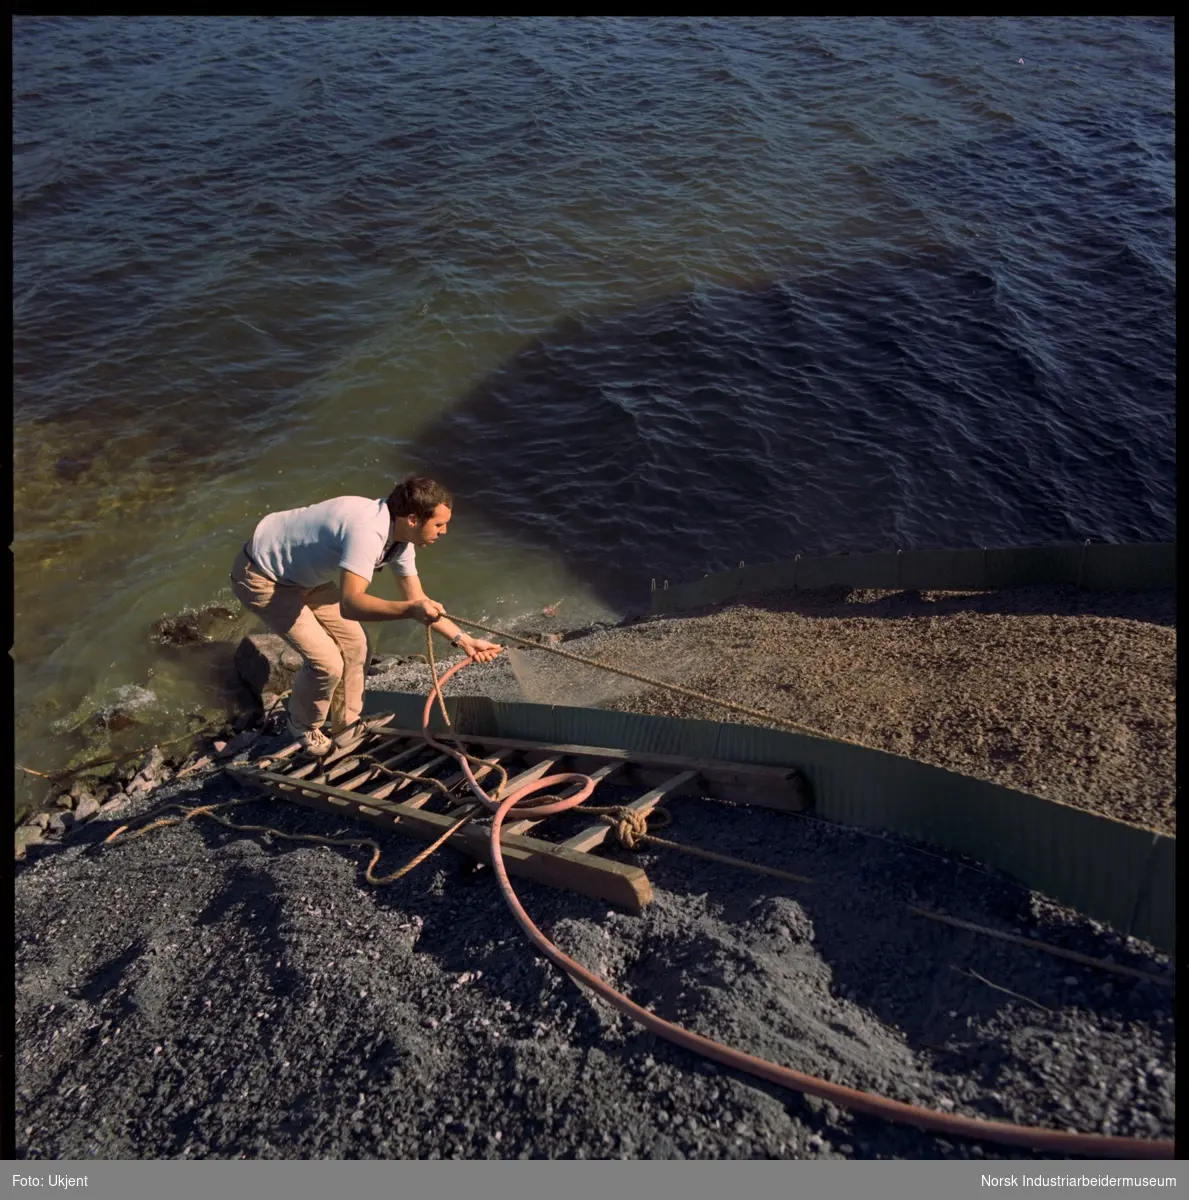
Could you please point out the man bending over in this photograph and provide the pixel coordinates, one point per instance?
(305, 572)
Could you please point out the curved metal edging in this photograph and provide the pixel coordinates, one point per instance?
(1121, 874)
(1098, 565)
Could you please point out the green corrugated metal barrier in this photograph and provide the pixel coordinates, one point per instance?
(1108, 870)
(1095, 565)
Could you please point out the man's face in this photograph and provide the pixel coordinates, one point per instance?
(429, 531)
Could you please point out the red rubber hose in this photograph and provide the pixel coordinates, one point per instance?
(1055, 1141)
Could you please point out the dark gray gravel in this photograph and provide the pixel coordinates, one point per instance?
(200, 992)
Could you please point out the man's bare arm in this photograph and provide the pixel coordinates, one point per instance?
(478, 649)
(357, 605)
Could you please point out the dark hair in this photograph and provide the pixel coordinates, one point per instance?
(419, 497)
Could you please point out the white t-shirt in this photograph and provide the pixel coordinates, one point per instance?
(307, 547)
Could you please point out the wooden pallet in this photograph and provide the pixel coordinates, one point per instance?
(343, 783)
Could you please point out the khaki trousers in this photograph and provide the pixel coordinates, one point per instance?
(333, 649)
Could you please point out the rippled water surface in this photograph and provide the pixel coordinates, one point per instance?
(652, 296)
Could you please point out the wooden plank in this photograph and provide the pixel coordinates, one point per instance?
(386, 743)
(395, 785)
(527, 776)
(327, 772)
(283, 753)
(597, 775)
(371, 771)
(335, 756)
(319, 765)
(588, 874)
(514, 781)
(782, 793)
(452, 781)
(595, 835)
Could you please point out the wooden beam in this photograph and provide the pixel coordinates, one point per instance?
(782, 791)
(527, 776)
(514, 781)
(597, 775)
(600, 878)
(780, 788)
(395, 785)
(283, 753)
(595, 835)
(373, 724)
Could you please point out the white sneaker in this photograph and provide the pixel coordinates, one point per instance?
(313, 741)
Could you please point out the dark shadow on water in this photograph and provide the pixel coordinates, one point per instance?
(888, 404)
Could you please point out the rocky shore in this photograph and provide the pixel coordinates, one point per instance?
(202, 992)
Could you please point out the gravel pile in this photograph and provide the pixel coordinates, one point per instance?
(202, 992)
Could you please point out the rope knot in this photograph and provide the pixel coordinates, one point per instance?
(631, 828)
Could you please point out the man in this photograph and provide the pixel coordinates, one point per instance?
(305, 572)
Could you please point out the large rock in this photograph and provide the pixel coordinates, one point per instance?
(240, 742)
(191, 628)
(381, 665)
(26, 836)
(60, 824)
(266, 663)
(153, 767)
(86, 808)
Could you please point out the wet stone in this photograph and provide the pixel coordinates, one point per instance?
(86, 808)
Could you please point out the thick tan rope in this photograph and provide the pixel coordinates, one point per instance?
(209, 812)
(631, 829)
(64, 773)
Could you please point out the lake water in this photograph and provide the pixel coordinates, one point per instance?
(652, 296)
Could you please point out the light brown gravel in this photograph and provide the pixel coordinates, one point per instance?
(1066, 694)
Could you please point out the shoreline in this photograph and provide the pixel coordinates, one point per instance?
(202, 992)
(1067, 694)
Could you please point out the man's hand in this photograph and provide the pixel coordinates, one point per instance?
(426, 611)
(478, 649)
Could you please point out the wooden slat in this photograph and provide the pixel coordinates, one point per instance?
(782, 791)
(287, 752)
(452, 781)
(325, 770)
(597, 775)
(595, 835)
(601, 878)
(374, 723)
(370, 771)
(395, 785)
(385, 744)
(528, 775)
